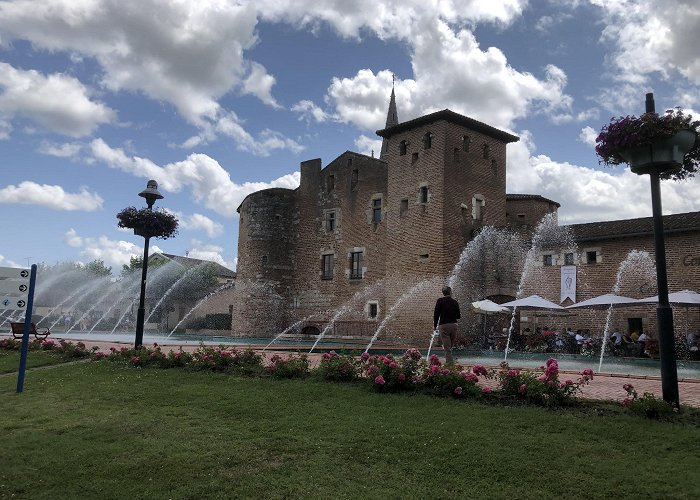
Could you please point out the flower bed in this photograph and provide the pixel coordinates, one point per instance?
(383, 373)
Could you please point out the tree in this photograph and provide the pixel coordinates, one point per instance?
(97, 268)
(135, 264)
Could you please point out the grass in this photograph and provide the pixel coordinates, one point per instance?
(102, 430)
(9, 360)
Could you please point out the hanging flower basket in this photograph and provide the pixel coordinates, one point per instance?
(665, 143)
(148, 223)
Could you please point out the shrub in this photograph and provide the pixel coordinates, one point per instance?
(337, 368)
(386, 373)
(291, 367)
(648, 405)
(541, 386)
(456, 382)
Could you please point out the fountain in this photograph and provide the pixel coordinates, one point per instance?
(223, 287)
(639, 264)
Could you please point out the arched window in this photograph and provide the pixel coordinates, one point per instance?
(466, 141)
(402, 147)
(428, 140)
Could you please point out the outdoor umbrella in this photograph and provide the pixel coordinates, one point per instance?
(487, 306)
(684, 297)
(533, 302)
(607, 300)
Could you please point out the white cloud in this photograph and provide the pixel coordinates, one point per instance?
(65, 150)
(587, 194)
(208, 181)
(588, 136)
(308, 112)
(114, 253)
(228, 124)
(9, 263)
(651, 37)
(259, 83)
(200, 222)
(210, 252)
(367, 146)
(451, 71)
(50, 196)
(57, 102)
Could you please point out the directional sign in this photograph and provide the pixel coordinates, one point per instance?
(12, 303)
(14, 272)
(13, 287)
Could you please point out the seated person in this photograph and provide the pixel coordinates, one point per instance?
(580, 339)
(570, 332)
(692, 341)
(617, 338)
(642, 341)
(634, 336)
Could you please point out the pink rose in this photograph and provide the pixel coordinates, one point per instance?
(513, 373)
(379, 380)
(364, 356)
(479, 370)
(522, 388)
(568, 381)
(393, 365)
(486, 390)
(402, 376)
(458, 391)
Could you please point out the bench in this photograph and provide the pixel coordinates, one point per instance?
(18, 331)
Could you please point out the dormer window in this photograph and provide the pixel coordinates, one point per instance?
(402, 147)
(428, 140)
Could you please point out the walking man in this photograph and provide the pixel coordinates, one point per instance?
(445, 321)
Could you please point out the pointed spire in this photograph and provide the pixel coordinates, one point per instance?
(392, 118)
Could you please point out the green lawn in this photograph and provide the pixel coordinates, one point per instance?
(100, 430)
(9, 360)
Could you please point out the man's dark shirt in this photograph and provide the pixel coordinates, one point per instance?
(446, 311)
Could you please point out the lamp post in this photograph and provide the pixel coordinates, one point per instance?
(151, 194)
(655, 160)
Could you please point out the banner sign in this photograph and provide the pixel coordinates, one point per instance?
(568, 283)
(14, 288)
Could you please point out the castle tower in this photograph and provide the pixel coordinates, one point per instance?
(446, 180)
(392, 118)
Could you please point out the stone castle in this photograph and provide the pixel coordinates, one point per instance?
(362, 229)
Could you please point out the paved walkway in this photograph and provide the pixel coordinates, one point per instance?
(603, 387)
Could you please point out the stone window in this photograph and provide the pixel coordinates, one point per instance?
(372, 309)
(428, 140)
(424, 194)
(414, 157)
(424, 255)
(377, 210)
(455, 154)
(494, 166)
(547, 260)
(486, 151)
(478, 207)
(403, 210)
(402, 147)
(520, 216)
(569, 259)
(350, 162)
(264, 260)
(327, 266)
(354, 177)
(330, 221)
(355, 265)
(591, 257)
(331, 182)
(466, 141)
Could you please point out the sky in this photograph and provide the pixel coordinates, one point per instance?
(216, 99)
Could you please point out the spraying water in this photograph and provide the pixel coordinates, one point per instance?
(425, 284)
(639, 264)
(201, 301)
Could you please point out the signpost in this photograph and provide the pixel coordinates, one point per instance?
(17, 293)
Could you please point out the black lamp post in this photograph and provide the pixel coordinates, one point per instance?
(663, 156)
(151, 194)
